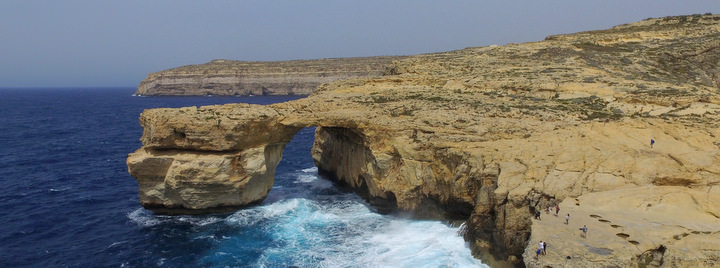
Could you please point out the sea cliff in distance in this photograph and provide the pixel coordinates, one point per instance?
(619, 128)
(243, 78)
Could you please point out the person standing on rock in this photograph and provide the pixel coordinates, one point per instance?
(542, 247)
(652, 142)
(557, 209)
(537, 214)
(584, 230)
(567, 219)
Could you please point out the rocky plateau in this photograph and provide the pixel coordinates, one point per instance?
(489, 136)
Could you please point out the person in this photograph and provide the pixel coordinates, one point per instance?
(652, 142)
(537, 253)
(542, 247)
(584, 230)
(537, 215)
(557, 209)
(567, 219)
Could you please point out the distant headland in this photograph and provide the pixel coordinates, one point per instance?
(244, 78)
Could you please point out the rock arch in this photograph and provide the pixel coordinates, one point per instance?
(220, 158)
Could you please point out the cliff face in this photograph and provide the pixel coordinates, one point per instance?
(208, 159)
(227, 77)
(490, 135)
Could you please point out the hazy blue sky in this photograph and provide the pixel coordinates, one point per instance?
(117, 43)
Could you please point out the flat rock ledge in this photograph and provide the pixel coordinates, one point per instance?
(645, 226)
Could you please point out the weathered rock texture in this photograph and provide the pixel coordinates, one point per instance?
(228, 77)
(491, 135)
(208, 159)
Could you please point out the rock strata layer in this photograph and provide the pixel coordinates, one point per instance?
(243, 78)
(491, 135)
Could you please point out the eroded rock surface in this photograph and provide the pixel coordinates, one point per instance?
(491, 135)
(639, 226)
(208, 159)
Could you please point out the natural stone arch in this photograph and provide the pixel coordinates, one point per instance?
(219, 158)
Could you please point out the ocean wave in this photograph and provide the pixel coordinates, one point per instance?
(306, 178)
(254, 215)
(310, 170)
(406, 243)
(340, 233)
(143, 218)
(319, 238)
(115, 244)
(60, 189)
(311, 181)
(199, 220)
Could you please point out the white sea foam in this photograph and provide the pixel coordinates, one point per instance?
(198, 221)
(341, 230)
(307, 175)
(310, 170)
(406, 243)
(61, 189)
(254, 215)
(115, 244)
(349, 234)
(205, 237)
(143, 218)
(305, 178)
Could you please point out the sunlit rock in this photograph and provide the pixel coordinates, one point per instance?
(491, 135)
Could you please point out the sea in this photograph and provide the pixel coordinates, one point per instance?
(67, 200)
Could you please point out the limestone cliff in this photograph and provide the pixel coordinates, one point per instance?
(491, 135)
(200, 160)
(228, 77)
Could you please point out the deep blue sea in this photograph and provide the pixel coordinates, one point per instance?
(67, 200)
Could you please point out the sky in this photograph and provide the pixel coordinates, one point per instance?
(95, 43)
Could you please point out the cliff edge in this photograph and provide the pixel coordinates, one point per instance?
(618, 127)
(242, 78)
